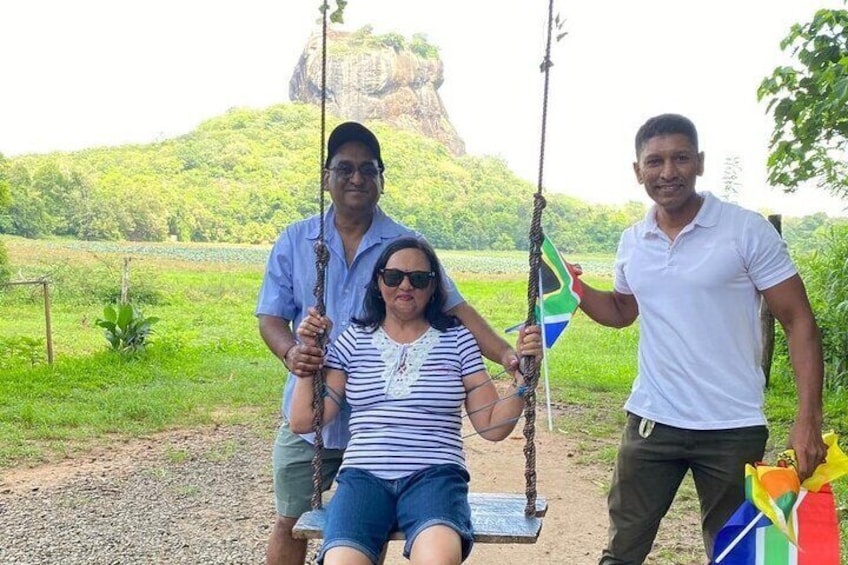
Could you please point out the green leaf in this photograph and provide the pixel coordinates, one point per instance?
(840, 91)
(125, 315)
(110, 314)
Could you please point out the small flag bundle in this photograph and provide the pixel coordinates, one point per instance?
(784, 522)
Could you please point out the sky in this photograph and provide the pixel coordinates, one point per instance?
(82, 73)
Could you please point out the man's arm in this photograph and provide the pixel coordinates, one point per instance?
(277, 335)
(789, 304)
(493, 346)
(609, 308)
(300, 359)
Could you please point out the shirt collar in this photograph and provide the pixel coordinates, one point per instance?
(706, 217)
(381, 226)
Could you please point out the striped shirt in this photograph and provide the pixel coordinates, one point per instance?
(406, 399)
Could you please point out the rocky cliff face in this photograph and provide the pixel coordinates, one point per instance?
(377, 78)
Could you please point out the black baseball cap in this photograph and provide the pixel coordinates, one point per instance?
(353, 131)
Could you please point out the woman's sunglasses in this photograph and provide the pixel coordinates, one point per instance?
(418, 279)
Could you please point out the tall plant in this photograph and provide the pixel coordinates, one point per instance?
(125, 328)
(826, 277)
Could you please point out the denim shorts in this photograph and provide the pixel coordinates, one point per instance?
(366, 509)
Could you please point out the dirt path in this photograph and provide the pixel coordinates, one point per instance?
(204, 496)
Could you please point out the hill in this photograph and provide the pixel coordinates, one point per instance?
(242, 177)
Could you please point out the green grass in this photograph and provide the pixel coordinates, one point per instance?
(207, 363)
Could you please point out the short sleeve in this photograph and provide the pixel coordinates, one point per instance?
(340, 351)
(625, 249)
(276, 295)
(470, 358)
(766, 256)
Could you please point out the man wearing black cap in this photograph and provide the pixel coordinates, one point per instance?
(356, 231)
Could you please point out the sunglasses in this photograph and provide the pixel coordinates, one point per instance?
(418, 279)
(346, 170)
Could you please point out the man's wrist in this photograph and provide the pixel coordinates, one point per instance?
(286, 355)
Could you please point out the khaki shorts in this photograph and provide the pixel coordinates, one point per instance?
(293, 472)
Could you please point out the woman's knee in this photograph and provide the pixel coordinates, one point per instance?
(341, 555)
(437, 545)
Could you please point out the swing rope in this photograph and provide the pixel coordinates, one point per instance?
(322, 257)
(529, 364)
(536, 236)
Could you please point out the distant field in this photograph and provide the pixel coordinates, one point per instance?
(484, 262)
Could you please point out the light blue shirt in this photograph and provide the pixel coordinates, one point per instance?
(287, 289)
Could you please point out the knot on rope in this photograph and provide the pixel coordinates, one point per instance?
(322, 253)
(539, 201)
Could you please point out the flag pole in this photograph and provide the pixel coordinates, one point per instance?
(739, 538)
(751, 525)
(545, 354)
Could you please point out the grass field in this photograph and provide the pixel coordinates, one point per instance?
(207, 363)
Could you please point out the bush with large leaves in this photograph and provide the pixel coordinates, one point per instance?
(125, 328)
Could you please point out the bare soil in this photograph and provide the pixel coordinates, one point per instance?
(212, 487)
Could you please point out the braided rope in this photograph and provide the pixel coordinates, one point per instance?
(322, 257)
(531, 367)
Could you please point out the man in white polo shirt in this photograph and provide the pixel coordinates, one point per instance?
(693, 272)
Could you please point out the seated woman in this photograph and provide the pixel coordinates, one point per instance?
(405, 369)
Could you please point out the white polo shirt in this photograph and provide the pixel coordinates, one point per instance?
(700, 340)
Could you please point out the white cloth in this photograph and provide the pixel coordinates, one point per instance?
(700, 340)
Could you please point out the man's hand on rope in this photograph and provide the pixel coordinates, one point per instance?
(305, 358)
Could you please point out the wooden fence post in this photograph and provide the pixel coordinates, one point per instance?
(767, 318)
(125, 281)
(45, 288)
(45, 285)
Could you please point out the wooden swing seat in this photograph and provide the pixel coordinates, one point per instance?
(495, 518)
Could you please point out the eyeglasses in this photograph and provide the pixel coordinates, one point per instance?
(346, 170)
(418, 279)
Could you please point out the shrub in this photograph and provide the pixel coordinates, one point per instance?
(5, 268)
(125, 328)
(21, 350)
(826, 278)
(421, 47)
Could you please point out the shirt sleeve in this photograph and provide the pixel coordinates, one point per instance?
(454, 297)
(340, 351)
(622, 255)
(276, 295)
(766, 256)
(470, 358)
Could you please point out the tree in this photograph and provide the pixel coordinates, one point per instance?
(809, 103)
(337, 15)
(5, 191)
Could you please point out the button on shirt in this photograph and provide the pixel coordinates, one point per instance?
(287, 289)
